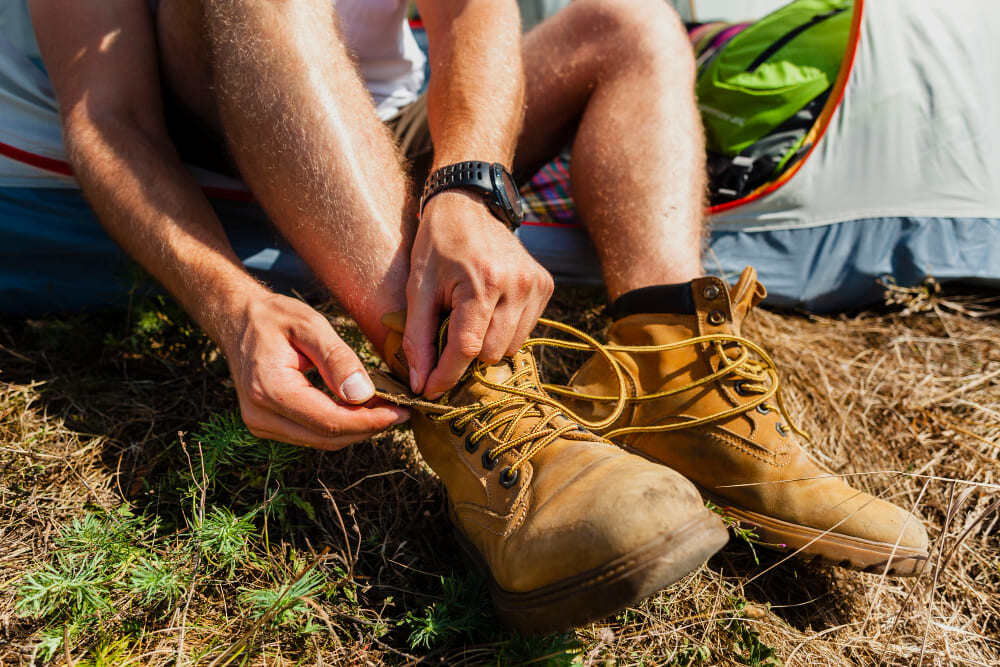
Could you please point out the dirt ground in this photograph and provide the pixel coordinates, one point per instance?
(140, 523)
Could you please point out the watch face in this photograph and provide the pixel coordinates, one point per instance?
(513, 197)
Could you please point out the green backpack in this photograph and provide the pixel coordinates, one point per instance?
(761, 92)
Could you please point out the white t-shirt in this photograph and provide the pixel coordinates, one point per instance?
(391, 63)
(376, 31)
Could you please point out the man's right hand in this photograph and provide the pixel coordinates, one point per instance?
(270, 344)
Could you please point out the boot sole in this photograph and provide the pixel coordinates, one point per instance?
(609, 588)
(828, 547)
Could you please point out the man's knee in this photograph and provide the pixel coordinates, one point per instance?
(633, 27)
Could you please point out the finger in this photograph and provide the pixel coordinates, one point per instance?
(420, 332)
(340, 367)
(539, 300)
(271, 426)
(288, 393)
(499, 337)
(522, 330)
(546, 288)
(469, 323)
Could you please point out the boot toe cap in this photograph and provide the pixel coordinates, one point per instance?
(609, 511)
(832, 505)
(882, 521)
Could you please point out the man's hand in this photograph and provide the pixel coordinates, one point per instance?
(466, 261)
(272, 342)
(463, 259)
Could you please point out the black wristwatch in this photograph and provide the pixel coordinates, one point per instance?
(490, 180)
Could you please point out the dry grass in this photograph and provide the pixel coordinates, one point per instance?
(103, 412)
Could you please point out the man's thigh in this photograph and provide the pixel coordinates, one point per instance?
(190, 108)
(567, 56)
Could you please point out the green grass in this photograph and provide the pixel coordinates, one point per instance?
(66, 589)
(105, 570)
(109, 569)
(284, 603)
(748, 648)
(462, 611)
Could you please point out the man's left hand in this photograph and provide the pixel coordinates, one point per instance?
(465, 260)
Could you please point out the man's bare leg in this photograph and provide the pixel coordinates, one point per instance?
(624, 70)
(304, 134)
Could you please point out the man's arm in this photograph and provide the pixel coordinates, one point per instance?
(475, 98)
(463, 258)
(101, 57)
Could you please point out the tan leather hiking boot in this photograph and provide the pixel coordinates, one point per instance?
(570, 527)
(706, 402)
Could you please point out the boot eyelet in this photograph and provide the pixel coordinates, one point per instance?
(456, 429)
(508, 477)
(741, 388)
(489, 463)
(782, 429)
(711, 292)
(716, 317)
(763, 409)
(470, 444)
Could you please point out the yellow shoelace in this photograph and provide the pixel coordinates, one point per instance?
(521, 400)
(754, 376)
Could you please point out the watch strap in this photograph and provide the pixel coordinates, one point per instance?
(473, 175)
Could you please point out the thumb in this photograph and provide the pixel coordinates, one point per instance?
(418, 336)
(340, 367)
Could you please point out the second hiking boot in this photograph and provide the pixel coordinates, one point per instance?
(706, 402)
(569, 527)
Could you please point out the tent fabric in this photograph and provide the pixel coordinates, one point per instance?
(846, 265)
(915, 134)
(903, 183)
(31, 148)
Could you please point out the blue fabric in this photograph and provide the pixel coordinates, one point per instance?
(835, 267)
(821, 269)
(54, 256)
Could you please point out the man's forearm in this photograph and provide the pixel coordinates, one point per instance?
(151, 206)
(476, 95)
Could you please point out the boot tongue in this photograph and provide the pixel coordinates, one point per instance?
(744, 295)
(471, 390)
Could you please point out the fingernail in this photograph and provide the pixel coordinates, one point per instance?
(414, 381)
(358, 387)
(404, 416)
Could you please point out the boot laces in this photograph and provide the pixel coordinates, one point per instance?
(740, 361)
(520, 399)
